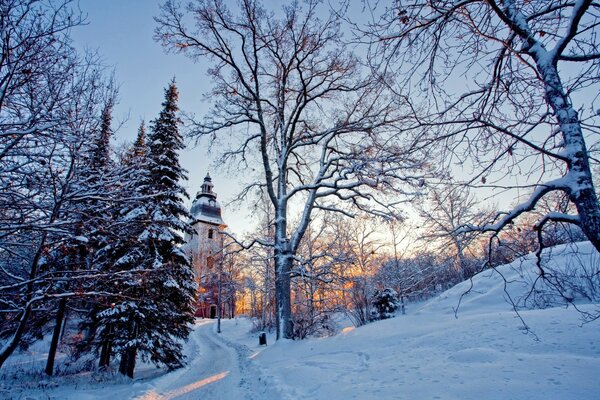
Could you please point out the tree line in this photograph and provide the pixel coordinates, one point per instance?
(353, 266)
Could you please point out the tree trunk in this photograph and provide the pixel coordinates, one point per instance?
(581, 190)
(105, 350)
(60, 315)
(64, 326)
(124, 362)
(586, 202)
(127, 364)
(219, 301)
(283, 267)
(11, 345)
(131, 356)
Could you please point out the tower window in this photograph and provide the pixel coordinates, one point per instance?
(210, 233)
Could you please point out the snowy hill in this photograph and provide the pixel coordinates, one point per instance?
(483, 353)
(576, 266)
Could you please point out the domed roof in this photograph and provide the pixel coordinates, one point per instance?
(205, 207)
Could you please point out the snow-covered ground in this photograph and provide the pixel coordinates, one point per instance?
(482, 353)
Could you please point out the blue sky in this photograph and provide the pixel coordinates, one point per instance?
(121, 31)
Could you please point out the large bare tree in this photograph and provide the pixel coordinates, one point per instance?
(297, 106)
(510, 89)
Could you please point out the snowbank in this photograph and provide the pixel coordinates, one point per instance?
(429, 354)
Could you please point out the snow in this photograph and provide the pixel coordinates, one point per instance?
(483, 352)
(433, 356)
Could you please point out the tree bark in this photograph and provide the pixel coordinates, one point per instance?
(60, 315)
(131, 358)
(127, 364)
(581, 190)
(105, 351)
(283, 267)
(219, 298)
(124, 362)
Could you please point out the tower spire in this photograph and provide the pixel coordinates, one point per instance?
(207, 188)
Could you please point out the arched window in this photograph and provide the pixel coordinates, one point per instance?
(210, 233)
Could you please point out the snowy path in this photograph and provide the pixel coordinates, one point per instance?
(216, 370)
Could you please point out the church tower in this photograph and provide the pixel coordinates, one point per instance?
(205, 247)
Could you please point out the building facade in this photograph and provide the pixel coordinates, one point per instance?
(205, 248)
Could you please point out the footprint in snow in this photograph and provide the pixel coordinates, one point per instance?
(474, 355)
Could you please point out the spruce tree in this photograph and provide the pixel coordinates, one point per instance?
(171, 288)
(155, 311)
(100, 164)
(99, 177)
(100, 149)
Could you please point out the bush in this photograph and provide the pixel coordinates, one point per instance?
(385, 303)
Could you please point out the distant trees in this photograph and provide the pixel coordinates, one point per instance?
(318, 279)
(447, 209)
(307, 113)
(258, 271)
(362, 249)
(529, 68)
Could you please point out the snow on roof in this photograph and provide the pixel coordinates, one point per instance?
(207, 209)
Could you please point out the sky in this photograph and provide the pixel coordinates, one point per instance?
(121, 31)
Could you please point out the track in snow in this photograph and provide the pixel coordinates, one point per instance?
(216, 370)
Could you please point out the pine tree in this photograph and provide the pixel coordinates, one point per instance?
(100, 163)
(170, 293)
(111, 321)
(139, 148)
(72, 252)
(100, 149)
(132, 256)
(156, 308)
(89, 214)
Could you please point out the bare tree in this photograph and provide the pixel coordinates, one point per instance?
(355, 253)
(318, 277)
(528, 105)
(50, 103)
(448, 208)
(294, 100)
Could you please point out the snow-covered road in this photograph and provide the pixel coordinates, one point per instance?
(216, 370)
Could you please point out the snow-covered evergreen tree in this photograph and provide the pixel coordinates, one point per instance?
(169, 293)
(155, 309)
(122, 256)
(385, 303)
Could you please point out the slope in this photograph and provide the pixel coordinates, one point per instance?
(482, 353)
